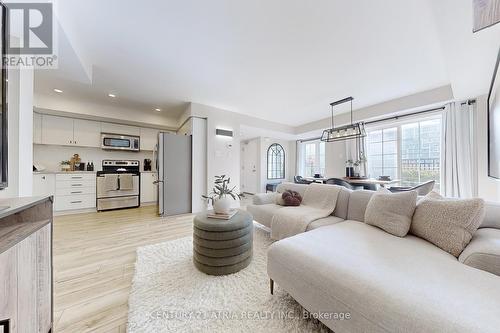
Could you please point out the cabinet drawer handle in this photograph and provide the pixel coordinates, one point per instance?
(77, 192)
(75, 202)
(5, 325)
(76, 185)
(76, 177)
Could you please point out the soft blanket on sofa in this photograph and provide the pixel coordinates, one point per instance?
(319, 201)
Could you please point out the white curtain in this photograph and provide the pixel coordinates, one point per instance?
(458, 151)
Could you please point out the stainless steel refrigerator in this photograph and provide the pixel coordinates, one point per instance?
(174, 166)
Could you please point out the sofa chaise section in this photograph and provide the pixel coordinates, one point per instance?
(385, 283)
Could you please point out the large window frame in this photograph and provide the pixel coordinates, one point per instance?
(314, 161)
(398, 125)
(276, 162)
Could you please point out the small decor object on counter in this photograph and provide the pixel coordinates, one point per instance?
(221, 195)
(75, 162)
(65, 166)
(147, 164)
(349, 168)
(82, 166)
(291, 198)
(90, 166)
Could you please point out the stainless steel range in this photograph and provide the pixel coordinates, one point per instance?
(118, 185)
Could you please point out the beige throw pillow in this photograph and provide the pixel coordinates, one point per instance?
(391, 212)
(447, 223)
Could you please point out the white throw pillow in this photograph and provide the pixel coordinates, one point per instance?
(447, 223)
(391, 212)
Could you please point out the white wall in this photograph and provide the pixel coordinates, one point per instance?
(197, 127)
(335, 157)
(20, 133)
(50, 156)
(488, 188)
(289, 147)
(89, 109)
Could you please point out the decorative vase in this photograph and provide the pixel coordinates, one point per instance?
(349, 172)
(222, 206)
(65, 167)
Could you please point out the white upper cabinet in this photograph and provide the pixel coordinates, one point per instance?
(87, 133)
(149, 138)
(120, 129)
(37, 128)
(65, 131)
(57, 130)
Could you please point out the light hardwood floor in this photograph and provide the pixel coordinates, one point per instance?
(94, 256)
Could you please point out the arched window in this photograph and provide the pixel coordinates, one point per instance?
(275, 162)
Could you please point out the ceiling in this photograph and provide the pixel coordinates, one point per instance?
(279, 60)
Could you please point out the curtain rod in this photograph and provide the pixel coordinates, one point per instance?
(404, 115)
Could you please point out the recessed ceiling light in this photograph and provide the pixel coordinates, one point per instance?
(112, 95)
(58, 91)
(158, 110)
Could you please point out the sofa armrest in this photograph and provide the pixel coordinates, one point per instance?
(264, 198)
(483, 252)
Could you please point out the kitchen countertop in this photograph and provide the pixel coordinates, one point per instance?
(46, 172)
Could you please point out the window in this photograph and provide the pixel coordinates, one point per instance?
(313, 160)
(275, 162)
(408, 151)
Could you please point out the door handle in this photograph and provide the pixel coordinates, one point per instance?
(5, 325)
(157, 182)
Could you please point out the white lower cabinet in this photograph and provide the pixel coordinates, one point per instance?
(44, 184)
(149, 191)
(75, 191)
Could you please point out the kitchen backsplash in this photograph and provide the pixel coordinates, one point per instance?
(51, 156)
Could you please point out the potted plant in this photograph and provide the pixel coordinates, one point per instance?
(221, 195)
(65, 165)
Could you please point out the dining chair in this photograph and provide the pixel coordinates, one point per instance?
(422, 189)
(301, 180)
(341, 182)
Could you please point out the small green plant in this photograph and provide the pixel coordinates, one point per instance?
(65, 163)
(221, 189)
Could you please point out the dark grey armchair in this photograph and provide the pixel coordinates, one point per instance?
(341, 182)
(300, 180)
(422, 189)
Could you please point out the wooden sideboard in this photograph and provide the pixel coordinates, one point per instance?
(26, 265)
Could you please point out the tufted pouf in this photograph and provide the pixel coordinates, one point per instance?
(222, 247)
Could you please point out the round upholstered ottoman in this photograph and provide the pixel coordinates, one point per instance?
(222, 247)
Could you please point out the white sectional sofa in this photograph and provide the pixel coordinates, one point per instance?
(385, 283)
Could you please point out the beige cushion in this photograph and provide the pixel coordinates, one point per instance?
(483, 252)
(279, 199)
(391, 212)
(447, 223)
(324, 222)
(263, 213)
(492, 215)
(357, 205)
(386, 283)
(342, 203)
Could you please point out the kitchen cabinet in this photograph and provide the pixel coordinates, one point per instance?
(37, 128)
(86, 133)
(149, 191)
(57, 130)
(26, 267)
(44, 184)
(120, 129)
(65, 131)
(75, 191)
(149, 138)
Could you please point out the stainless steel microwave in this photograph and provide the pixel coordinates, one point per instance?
(120, 142)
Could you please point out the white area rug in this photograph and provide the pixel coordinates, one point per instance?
(170, 295)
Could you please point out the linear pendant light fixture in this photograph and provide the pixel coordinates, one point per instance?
(352, 131)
